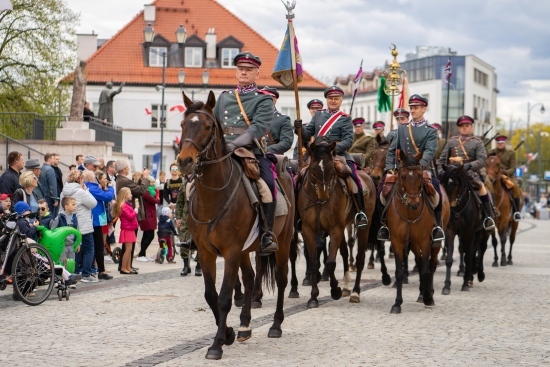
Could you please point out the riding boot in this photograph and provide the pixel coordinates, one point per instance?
(438, 236)
(268, 243)
(361, 220)
(186, 269)
(488, 221)
(517, 214)
(198, 270)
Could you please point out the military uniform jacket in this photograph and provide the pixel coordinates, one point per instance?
(391, 135)
(364, 144)
(341, 131)
(440, 146)
(425, 138)
(474, 152)
(258, 108)
(507, 160)
(280, 137)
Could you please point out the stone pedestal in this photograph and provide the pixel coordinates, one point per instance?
(75, 131)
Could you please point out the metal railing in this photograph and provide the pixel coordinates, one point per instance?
(105, 131)
(29, 149)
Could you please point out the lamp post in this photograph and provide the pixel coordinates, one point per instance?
(149, 35)
(529, 109)
(205, 80)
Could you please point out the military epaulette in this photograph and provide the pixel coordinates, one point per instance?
(345, 114)
(433, 127)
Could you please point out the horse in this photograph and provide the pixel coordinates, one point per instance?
(466, 223)
(324, 205)
(505, 223)
(410, 221)
(220, 219)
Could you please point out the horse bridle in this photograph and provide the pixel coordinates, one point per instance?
(331, 184)
(405, 195)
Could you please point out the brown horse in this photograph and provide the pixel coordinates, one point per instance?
(505, 222)
(220, 219)
(324, 205)
(410, 221)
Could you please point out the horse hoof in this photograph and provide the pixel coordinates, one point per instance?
(256, 304)
(313, 303)
(346, 292)
(239, 302)
(446, 291)
(274, 333)
(420, 299)
(443, 257)
(214, 354)
(395, 309)
(336, 293)
(470, 284)
(306, 282)
(429, 304)
(355, 298)
(386, 279)
(495, 264)
(481, 276)
(229, 336)
(293, 294)
(460, 273)
(370, 265)
(244, 335)
(510, 262)
(465, 288)
(503, 262)
(352, 268)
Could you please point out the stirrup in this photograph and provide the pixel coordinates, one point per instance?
(438, 238)
(489, 224)
(381, 235)
(271, 248)
(517, 216)
(361, 220)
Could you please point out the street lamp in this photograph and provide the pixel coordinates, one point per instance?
(529, 109)
(205, 80)
(149, 35)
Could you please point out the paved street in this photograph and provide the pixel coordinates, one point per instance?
(159, 318)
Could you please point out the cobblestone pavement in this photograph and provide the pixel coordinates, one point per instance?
(159, 318)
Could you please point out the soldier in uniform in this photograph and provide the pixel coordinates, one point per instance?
(508, 170)
(402, 117)
(469, 151)
(378, 127)
(362, 143)
(313, 106)
(280, 136)
(336, 126)
(183, 230)
(243, 127)
(425, 138)
(440, 141)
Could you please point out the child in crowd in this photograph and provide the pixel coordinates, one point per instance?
(27, 225)
(5, 203)
(128, 226)
(172, 186)
(44, 216)
(166, 230)
(67, 218)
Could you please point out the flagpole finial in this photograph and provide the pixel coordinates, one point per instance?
(289, 8)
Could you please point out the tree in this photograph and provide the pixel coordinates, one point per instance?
(37, 49)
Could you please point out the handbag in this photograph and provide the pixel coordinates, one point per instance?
(103, 219)
(248, 159)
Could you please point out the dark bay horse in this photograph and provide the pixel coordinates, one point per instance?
(410, 221)
(505, 223)
(466, 223)
(220, 219)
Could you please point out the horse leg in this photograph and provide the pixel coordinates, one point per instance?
(309, 241)
(245, 331)
(307, 278)
(344, 253)
(293, 258)
(461, 245)
(420, 268)
(258, 293)
(322, 249)
(469, 257)
(481, 248)
(432, 262)
(351, 243)
(502, 236)
(238, 296)
(450, 246)
(370, 265)
(513, 231)
(281, 278)
(362, 239)
(399, 272)
(386, 279)
(336, 238)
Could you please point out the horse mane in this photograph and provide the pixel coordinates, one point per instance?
(199, 105)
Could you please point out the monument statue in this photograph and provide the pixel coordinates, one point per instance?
(106, 102)
(79, 92)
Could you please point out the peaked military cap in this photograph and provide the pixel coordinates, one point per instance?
(437, 126)
(358, 121)
(401, 112)
(247, 59)
(501, 138)
(378, 125)
(334, 90)
(418, 100)
(315, 103)
(464, 120)
(271, 91)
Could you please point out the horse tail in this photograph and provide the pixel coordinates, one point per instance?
(294, 247)
(269, 269)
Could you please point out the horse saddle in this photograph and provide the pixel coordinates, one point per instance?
(359, 159)
(507, 181)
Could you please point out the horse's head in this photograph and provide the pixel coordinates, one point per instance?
(493, 168)
(454, 180)
(379, 157)
(201, 135)
(321, 172)
(410, 180)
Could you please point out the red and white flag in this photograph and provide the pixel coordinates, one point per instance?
(404, 98)
(179, 107)
(358, 78)
(448, 73)
(148, 111)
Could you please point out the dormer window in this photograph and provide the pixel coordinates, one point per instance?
(228, 48)
(193, 57)
(228, 54)
(155, 56)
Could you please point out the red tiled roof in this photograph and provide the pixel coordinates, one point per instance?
(121, 57)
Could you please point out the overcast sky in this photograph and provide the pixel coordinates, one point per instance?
(334, 35)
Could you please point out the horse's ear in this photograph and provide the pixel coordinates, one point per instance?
(211, 101)
(332, 146)
(186, 101)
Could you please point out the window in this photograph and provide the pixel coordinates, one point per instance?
(228, 54)
(290, 112)
(480, 77)
(154, 59)
(155, 115)
(193, 57)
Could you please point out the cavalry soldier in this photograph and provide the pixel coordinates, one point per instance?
(245, 114)
(362, 143)
(280, 136)
(440, 142)
(469, 151)
(378, 127)
(508, 171)
(412, 138)
(313, 106)
(336, 126)
(402, 117)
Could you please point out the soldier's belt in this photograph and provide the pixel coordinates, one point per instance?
(234, 130)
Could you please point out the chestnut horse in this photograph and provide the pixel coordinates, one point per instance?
(323, 205)
(410, 221)
(220, 219)
(505, 223)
